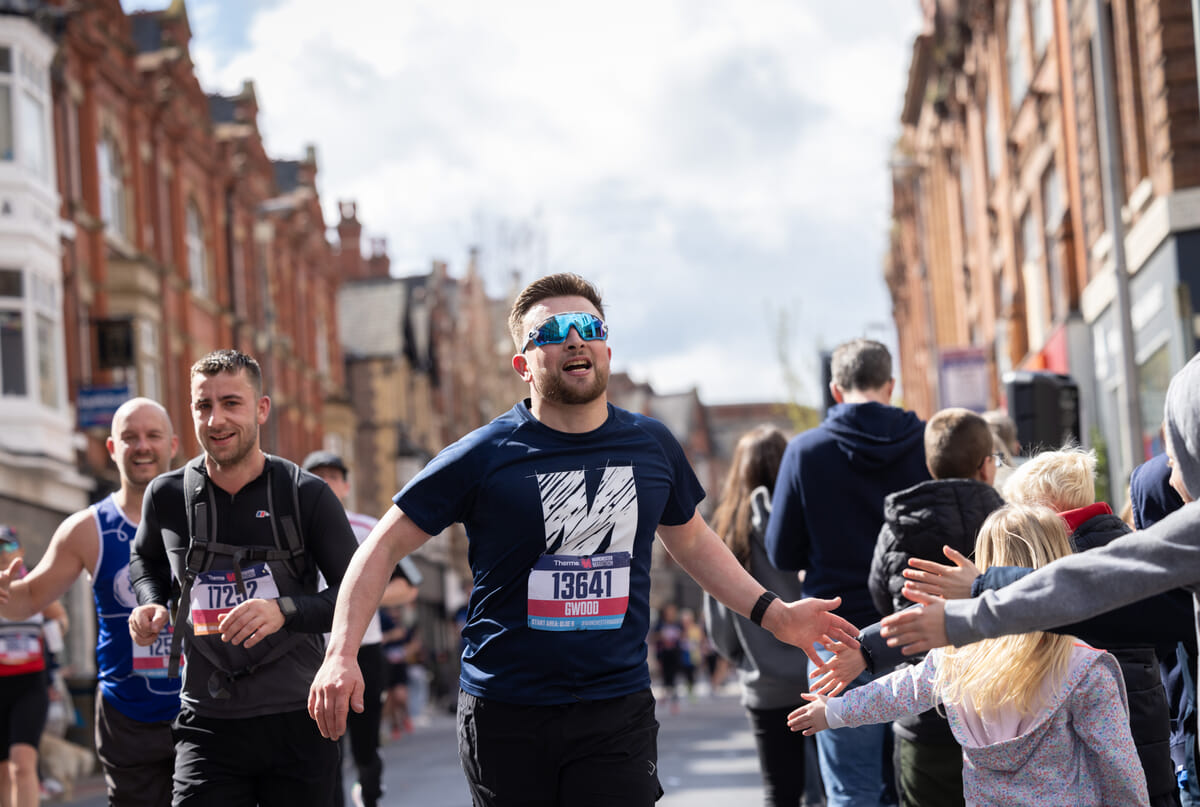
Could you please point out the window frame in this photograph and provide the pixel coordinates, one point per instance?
(37, 307)
(28, 128)
(1033, 276)
(1041, 18)
(110, 167)
(14, 384)
(197, 253)
(1016, 58)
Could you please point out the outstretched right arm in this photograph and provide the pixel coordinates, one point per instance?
(74, 547)
(1131, 568)
(338, 685)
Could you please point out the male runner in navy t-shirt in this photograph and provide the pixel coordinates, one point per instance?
(561, 499)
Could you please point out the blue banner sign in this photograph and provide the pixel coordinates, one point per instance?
(97, 405)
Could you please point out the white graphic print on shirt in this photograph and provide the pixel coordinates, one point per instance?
(574, 528)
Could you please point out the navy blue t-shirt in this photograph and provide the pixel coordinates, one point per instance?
(522, 491)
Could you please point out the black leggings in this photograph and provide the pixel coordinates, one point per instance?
(669, 662)
(780, 755)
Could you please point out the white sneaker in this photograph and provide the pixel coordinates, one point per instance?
(356, 795)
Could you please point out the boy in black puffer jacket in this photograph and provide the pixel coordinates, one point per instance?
(918, 522)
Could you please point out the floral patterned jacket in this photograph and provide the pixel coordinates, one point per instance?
(1077, 750)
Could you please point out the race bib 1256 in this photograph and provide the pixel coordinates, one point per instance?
(152, 660)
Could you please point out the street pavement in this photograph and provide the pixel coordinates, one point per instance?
(706, 757)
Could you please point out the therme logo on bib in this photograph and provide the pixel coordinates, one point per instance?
(582, 582)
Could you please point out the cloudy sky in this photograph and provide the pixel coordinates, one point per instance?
(718, 169)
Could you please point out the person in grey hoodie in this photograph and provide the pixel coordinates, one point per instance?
(771, 673)
(1163, 557)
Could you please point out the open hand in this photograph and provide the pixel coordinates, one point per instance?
(834, 675)
(917, 629)
(7, 576)
(811, 718)
(938, 580)
(811, 621)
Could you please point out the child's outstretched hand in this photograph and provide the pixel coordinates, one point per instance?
(811, 718)
(937, 580)
(831, 677)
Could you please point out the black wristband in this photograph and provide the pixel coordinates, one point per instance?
(760, 607)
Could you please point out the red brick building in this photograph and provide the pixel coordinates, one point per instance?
(1000, 246)
(187, 236)
(146, 225)
(143, 224)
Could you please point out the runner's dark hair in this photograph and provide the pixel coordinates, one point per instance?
(562, 284)
(229, 361)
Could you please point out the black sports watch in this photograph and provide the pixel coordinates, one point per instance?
(287, 606)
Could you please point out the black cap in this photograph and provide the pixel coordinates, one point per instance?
(324, 459)
(8, 534)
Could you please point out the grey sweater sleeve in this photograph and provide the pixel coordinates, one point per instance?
(1131, 568)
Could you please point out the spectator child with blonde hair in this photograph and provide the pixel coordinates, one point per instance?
(1121, 575)
(1041, 718)
(1061, 480)
(1064, 481)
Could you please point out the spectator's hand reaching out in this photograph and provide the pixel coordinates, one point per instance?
(938, 580)
(834, 675)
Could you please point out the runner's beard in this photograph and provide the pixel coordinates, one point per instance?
(236, 453)
(555, 390)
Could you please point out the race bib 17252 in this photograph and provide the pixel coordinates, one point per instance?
(215, 594)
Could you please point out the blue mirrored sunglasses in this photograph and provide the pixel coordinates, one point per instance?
(554, 331)
(9, 546)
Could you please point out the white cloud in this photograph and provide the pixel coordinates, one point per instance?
(706, 162)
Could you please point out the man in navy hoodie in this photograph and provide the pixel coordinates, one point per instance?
(825, 518)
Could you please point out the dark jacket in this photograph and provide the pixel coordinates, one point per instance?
(231, 681)
(918, 522)
(828, 502)
(1148, 714)
(1153, 499)
(1151, 493)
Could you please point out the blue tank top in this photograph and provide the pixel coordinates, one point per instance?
(147, 700)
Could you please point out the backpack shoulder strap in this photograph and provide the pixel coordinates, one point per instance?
(201, 520)
(285, 513)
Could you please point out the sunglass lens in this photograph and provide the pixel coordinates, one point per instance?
(554, 330)
(591, 327)
(549, 332)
